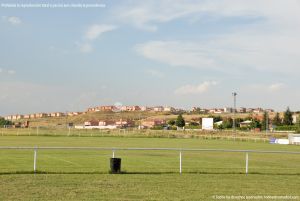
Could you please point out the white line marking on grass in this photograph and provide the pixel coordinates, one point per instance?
(60, 159)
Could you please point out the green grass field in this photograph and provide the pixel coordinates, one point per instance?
(148, 175)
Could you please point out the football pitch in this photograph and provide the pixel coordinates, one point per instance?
(147, 174)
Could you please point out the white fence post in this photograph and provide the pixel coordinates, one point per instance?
(113, 153)
(247, 162)
(180, 162)
(34, 160)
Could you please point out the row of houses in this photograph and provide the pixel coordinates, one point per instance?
(41, 115)
(113, 108)
(231, 110)
(122, 123)
(172, 109)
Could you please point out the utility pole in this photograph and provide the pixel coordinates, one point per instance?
(267, 123)
(234, 110)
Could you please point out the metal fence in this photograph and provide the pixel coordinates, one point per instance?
(178, 150)
(71, 132)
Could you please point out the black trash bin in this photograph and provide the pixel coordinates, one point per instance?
(115, 165)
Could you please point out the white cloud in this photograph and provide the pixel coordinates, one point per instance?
(12, 20)
(195, 89)
(269, 43)
(96, 30)
(155, 73)
(176, 53)
(92, 33)
(241, 51)
(147, 14)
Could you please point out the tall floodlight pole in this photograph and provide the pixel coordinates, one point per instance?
(234, 110)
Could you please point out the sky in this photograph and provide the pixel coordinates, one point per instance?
(180, 53)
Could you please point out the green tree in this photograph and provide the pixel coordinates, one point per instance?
(298, 120)
(180, 121)
(265, 121)
(277, 121)
(255, 124)
(171, 122)
(193, 123)
(298, 123)
(238, 122)
(227, 123)
(4, 122)
(217, 119)
(288, 117)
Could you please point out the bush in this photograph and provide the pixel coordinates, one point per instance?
(286, 128)
(157, 128)
(192, 127)
(4, 122)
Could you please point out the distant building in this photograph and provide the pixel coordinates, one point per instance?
(169, 109)
(41, 115)
(9, 118)
(158, 109)
(204, 111)
(91, 123)
(124, 123)
(108, 108)
(14, 117)
(245, 124)
(241, 110)
(249, 110)
(207, 123)
(150, 123)
(218, 111)
(74, 113)
(258, 110)
(57, 114)
(145, 108)
(106, 122)
(228, 110)
(269, 110)
(130, 108)
(91, 109)
(211, 110)
(27, 116)
(196, 109)
(295, 118)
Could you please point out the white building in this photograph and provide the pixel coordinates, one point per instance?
(228, 109)
(295, 118)
(169, 109)
(207, 124)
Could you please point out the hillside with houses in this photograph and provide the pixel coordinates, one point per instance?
(146, 117)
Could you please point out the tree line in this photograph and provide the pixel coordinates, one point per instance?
(277, 122)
